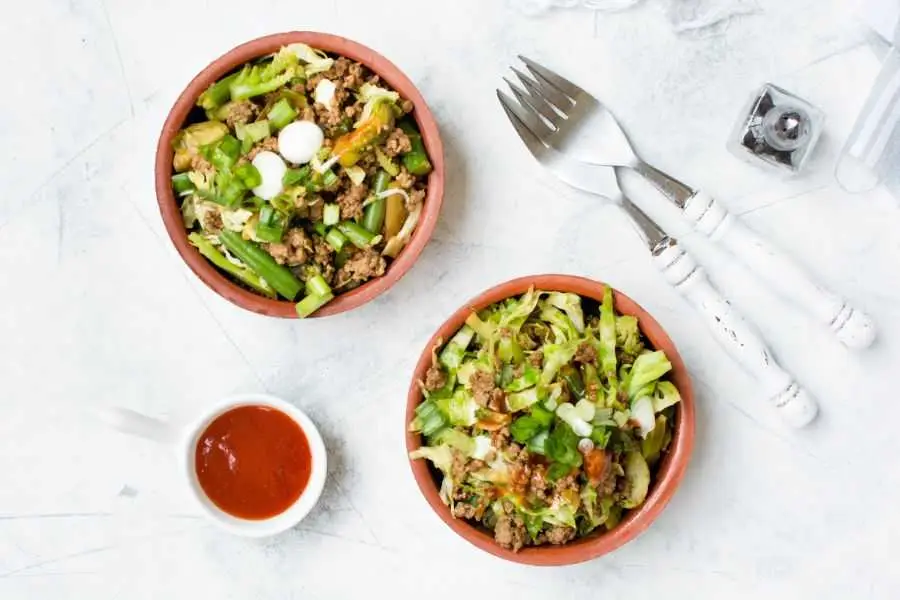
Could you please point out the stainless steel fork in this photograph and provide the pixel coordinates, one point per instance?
(795, 405)
(574, 122)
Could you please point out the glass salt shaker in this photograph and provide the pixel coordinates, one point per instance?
(777, 130)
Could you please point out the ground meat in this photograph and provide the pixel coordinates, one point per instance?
(416, 198)
(510, 532)
(586, 354)
(350, 74)
(315, 208)
(560, 534)
(201, 165)
(212, 221)
(270, 144)
(239, 112)
(497, 403)
(500, 437)
(562, 484)
(397, 142)
(482, 384)
(458, 466)
(520, 471)
(352, 201)
(293, 250)
(406, 106)
(362, 266)
(536, 359)
(405, 179)
(464, 510)
(329, 117)
(538, 485)
(323, 255)
(435, 378)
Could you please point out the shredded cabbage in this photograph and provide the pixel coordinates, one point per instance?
(316, 60)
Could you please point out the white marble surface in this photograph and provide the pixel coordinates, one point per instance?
(98, 310)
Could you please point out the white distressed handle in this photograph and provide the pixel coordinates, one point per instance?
(851, 326)
(796, 406)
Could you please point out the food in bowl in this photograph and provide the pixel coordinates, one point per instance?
(545, 417)
(305, 175)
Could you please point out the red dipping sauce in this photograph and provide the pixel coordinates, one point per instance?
(253, 462)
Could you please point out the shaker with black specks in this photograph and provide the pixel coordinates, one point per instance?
(777, 130)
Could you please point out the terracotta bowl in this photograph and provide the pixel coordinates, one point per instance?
(669, 472)
(181, 113)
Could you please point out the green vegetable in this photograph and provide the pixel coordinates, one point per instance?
(242, 273)
(440, 456)
(524, 428)
(521, 400)
(429, 419)
(571, 305)
(182, 184)
(664, 396)
(647, 368)
(568, 413)
(358, 235)
(191, 139)
(637, 474)
(312, 303)
(652, 445)
(452, 354)
(335, 239)
(607, 343)
(229, 190)
(462, 408)
(555, 356)
(331, 214)
(329, 179)
(248, 174)
(281, 114)
(217, 94)
(385, 162)
(557, 471)
(416, 160)
(296, 176)
(317, 285)
(562, 445)
(373, 218)
(271, 225)
(573, 381)
(600, 437)
(260, 262)
(250, 81)
(628, 336)
(543, 416)
(509, 351)
(223, 153)
(529, 378)
(537, 444)
(251, 133)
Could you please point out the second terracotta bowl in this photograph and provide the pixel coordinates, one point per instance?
(668, 475)
(181, 114)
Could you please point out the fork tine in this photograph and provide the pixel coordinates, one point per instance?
(561, 83)
(558, 102)
(536, 103)
(531, 141)
(527, 115)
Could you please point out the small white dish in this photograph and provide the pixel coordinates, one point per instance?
(183, 440)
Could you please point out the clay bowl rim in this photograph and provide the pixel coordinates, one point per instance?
(670, 471)
(256, 48)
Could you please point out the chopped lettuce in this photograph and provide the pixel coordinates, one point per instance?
(452, 354)
(462, 408)
(571, 305)
(665, 395)
(563, 327)
(529, 378)
(647, 368)
(440, 456)
(642, 412)
(628, 336)
(315, 61)
(637, 477)
(607, 343)
(521, 400)
(555, 356)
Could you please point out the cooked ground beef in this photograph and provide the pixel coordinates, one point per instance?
(536, 359)
(416, 198)
(406, 106)
(538, 485)
(397, 143)
(270, 144)
(586, 354)
(404, 179)
(202, 166)
(483, 386)
(360, 267)
(510, 532)
(464, 510)
(458, 466)
(293, 250)
(500, 437)
(351, 202)
(308, 114)
(435, 378)
(240, 112)
(560, 535)
(212, 221)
